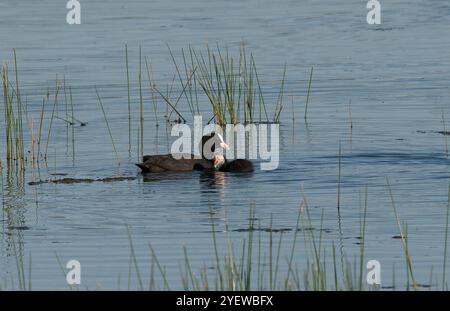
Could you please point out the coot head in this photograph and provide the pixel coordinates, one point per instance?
(208, 148)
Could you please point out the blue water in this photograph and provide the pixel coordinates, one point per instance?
(395, 75)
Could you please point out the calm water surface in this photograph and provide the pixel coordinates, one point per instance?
(395, 74)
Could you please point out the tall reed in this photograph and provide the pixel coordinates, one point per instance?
(141, 106)
(73, 125)
(279, 106)
(444, 266)
(309, 91)
(55, 103)
(13, 112)
(403, 236)
(129, 98)
(445, 133)
(230, 86)
(107, 125)
(152, 89)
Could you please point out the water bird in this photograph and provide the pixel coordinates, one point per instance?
(211, 160)
(185, 162)
(221, 163)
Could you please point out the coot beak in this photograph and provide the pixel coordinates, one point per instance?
(218, 161)
(224, 146)
(222, 142)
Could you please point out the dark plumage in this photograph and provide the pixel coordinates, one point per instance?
(238, 165)
(186, 163)
(162, 163)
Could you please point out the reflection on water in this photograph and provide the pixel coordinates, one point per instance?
(14, 222)
(213, 181)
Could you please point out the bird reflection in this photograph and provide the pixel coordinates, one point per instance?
(213, 179)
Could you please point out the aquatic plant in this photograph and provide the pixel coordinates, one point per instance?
(55, 103)
(107, 125)
(245, 265)
(249, 269)
(14, 114)
(445, 133)
(309, 91)
(231, 86)
(404, 238)
(141, 107)
(152, 90)
(444, 265)
(129, 98)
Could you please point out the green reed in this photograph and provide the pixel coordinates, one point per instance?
(445, 134)
(309, 91)
(444, 266)
(238, 272)
(133, 256)
(24, 280)
(107, 125)
(350, 119)
(19, 112)
(403, 237)
(231, 86)
(251, 267)
(68, 122)
(129, 98)
(152, 90)
(41, 123)
(362, 234)
(63, 272)
(55, 103)
(186, 85)
(73, 124)
(9, 113)
(13, 113)
(279, 106)
(29, 121)
(141, 106)
(170, 104)
(262, 105)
